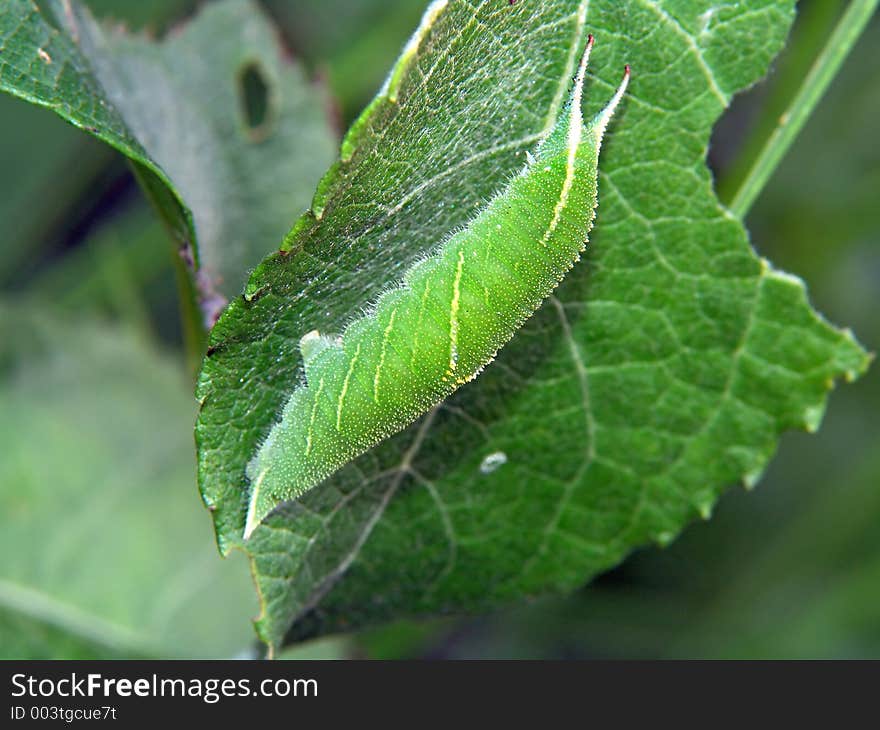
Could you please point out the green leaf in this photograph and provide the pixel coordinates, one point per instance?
(104, 551)
(179, 110)
(662, 370)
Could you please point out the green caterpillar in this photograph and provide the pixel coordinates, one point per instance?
(444, 322)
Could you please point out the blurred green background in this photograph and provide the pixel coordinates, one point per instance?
(88, 304)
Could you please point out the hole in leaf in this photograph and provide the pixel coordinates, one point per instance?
(256, 101)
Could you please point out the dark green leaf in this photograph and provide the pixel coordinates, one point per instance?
(663, 370)
(104, 551)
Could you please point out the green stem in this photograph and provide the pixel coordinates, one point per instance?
(823, 71)
(807, 39)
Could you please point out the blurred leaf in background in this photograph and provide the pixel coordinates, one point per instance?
(103, 544)
(36, 167)
(97, 426)
(242, 135)
(51, 160)
(224, 132)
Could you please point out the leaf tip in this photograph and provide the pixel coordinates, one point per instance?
(253, 290)
(750, 479)
(323, 192)
(705, 509)
(813, 416)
